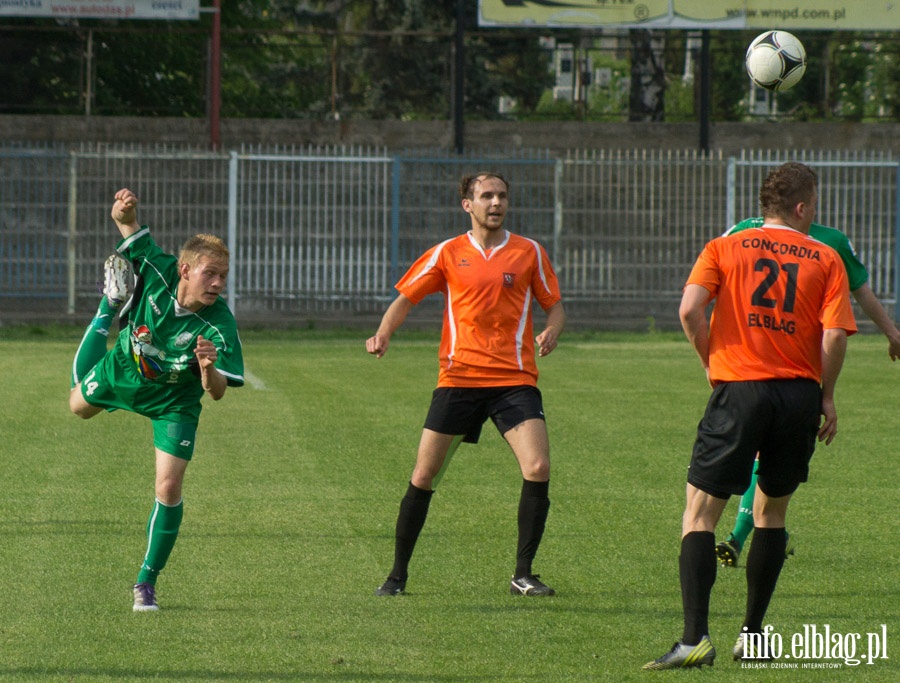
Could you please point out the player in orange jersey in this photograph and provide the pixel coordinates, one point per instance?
(772, 351)
(489, 279)
(729, 550)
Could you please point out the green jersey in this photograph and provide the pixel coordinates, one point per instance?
(857, 274)
(160, 336)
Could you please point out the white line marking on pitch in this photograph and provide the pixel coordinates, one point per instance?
(255, 381)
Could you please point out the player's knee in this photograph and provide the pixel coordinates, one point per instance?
(538, 470)
(79, 406)
(168, 492)
(168, 488)
(423, 479)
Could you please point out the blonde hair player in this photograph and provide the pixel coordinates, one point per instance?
(178, 342)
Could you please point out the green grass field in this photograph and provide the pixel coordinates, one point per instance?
(291, 500)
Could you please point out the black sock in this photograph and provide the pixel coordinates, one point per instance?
(697, 568)
(534, 504)
(764, 561)
(413, 511)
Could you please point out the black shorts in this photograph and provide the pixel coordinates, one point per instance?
(778, 419)
(463, 411)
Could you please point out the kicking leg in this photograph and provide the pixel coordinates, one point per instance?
(116, 287)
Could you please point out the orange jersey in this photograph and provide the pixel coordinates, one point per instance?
(487, 338)
(776, 291)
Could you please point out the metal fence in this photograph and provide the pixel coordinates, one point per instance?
(322, 233)
(858, 194)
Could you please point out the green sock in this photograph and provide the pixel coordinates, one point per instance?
(93, 344)
(743, 525)
(162, 531)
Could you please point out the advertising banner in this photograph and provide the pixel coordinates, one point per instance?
(830, 15)
(101, 9)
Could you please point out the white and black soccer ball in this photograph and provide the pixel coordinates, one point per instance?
(776, 60)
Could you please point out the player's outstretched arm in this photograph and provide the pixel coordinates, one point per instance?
(872, 307)
(393, 318)
(556, 321)
(124, 212)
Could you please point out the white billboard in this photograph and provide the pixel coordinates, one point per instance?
(101, 9)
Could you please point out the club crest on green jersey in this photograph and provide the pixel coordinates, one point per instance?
(183, 340)
(145, 353)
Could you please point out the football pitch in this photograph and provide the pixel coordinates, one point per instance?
(290, 506)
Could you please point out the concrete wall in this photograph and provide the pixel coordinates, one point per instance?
(399, 135)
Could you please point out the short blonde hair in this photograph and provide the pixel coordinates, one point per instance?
(203, 245)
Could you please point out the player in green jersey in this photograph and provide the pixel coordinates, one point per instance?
(729, 550)
(179, 342)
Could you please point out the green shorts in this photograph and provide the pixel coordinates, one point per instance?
(174, 410)
(175, 438)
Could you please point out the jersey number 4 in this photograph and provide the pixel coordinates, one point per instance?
(773, 270)
(90, 386)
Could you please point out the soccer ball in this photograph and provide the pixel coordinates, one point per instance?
(776, 60)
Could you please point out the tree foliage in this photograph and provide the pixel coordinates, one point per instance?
(395, 59)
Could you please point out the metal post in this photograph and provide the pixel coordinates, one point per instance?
(89, 68)
(232, 232)
(395, 220)
(71, 247)
(897, 249)
(215, 77)
(459, 78)
(558, 173)
(730, 199)
(705, 89)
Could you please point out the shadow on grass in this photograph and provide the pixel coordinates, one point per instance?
(64, 527)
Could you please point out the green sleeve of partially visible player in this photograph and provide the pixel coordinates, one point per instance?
(744, 224)
(857, 273)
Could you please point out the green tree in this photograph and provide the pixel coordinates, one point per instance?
(43, 70)
(865, 74)
(153, 74)
(404, 69)
(648, 82)
(883, 100)
(394, 59)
